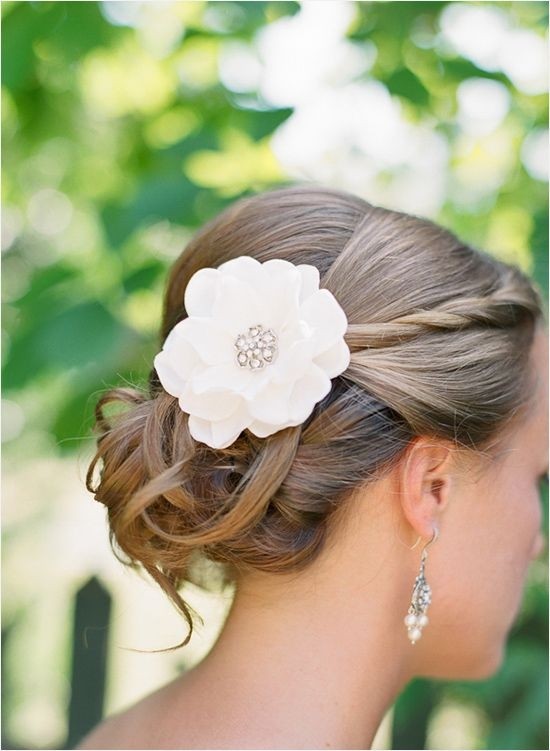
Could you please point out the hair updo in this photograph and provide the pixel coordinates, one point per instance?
(439, 334)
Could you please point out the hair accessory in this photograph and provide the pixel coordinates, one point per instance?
(258, 349)
(416, 617)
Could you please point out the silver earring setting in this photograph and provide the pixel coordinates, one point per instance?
(416, 617)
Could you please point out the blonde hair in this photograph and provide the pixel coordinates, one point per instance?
(439, 334)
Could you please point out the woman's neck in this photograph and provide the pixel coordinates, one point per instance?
(314, 660)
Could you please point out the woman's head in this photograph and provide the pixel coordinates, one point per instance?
(441, 338)
(490, 520)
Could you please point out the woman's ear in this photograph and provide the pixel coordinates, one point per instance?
(425, 484)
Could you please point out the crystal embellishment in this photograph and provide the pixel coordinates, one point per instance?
(256, 347)
(416, 617)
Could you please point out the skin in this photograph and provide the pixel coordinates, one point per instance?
(315, 660)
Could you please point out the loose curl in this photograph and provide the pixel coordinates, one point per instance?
(439, 334)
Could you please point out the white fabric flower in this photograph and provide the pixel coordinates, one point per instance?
(277, 381)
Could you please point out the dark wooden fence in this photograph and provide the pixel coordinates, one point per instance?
(90, 637)
(89, 659)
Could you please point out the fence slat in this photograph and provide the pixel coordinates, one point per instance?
(89, 659)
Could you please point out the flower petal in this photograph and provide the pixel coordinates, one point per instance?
(169, 378)
(226, 431)
(271, 404)
(237, 306)
(231, 377)
(306, 392)
(246, 268)
(215, 405)
(310, 280)
(263, 429)
(293, 331)
(201, 430)
(181, 355)
(222, 433)
(201, 291)
(279, 267)
(292, 363)
(212, 341)
(326, 317)
(335, 359)
(282, 292)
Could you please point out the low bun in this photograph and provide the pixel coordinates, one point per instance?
(169, 497)
(439, 335)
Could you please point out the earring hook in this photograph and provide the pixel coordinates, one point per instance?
(434, 538)
(412, 547)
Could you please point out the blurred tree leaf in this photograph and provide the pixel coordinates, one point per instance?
(169, 197)
(144, 277)
(72, 28)
(22, 25)
(74, 337)
(404, 83)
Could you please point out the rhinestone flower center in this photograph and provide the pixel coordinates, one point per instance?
(256, 347)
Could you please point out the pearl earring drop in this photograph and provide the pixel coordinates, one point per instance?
(416, 617)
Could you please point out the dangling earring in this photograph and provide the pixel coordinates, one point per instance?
(416, 617)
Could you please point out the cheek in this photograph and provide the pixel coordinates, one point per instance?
(525, 520)
(511, 537)
(511, 517)
(494, 567)
(479, 572)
